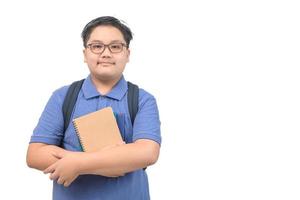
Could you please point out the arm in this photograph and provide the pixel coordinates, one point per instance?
(121, 159)
(111, 162)
(40, 155)
(47, 134)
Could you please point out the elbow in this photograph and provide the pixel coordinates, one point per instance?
(30, 165)
(35, 157)
(153, 156)
(153, 160)
(31, 158)
(29, 162)
(34, 163)
(150, 151)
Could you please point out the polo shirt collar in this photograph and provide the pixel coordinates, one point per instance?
(118, 91)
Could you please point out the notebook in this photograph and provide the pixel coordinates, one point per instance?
(97, 130)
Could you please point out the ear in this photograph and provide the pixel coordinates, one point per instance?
(128, 54)
(84, 55)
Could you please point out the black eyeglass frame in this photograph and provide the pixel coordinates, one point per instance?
(106, 46)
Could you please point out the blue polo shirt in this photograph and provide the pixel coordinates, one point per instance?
(49, 130)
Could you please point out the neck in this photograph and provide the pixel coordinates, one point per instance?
(104, 86)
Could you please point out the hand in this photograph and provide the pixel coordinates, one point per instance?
(66, 169)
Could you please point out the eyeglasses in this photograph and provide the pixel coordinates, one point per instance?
(99, 48)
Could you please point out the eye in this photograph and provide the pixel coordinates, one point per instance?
(97, 46)
(115, 46)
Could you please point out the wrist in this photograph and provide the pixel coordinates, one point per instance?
(82, 163)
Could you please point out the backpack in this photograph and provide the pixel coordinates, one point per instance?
(73, 91)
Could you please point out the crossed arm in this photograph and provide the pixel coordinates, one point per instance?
(65, 166)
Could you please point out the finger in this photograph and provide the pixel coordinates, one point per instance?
(60, 181)
(67, 184)
(54, 176)
(50, 169)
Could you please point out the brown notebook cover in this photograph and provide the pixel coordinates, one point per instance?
(97, 130)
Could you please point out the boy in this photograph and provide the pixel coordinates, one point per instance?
(117, 172)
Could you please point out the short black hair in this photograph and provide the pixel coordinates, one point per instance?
(106, 21)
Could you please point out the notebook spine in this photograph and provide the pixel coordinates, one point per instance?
(77, 132)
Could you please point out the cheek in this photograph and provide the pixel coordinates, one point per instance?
(121, 63)
(91, 59)
(124, 60)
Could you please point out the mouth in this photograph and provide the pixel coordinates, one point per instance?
(105, 63)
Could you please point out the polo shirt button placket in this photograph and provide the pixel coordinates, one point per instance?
(100, 102)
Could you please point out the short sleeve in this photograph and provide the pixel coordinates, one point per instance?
(49, 129)
(147, 122)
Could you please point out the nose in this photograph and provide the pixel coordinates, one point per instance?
(106, 52)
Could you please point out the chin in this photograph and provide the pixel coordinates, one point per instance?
(106, 77)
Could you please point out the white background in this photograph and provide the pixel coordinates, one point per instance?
(225, 75)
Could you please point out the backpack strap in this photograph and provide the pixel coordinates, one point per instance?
(133, 100)
(69, 101)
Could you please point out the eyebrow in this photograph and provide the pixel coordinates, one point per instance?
(113, 41)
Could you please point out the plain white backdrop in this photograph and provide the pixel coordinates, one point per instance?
(225, 75)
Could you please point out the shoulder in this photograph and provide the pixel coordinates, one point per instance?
(59, 94)
(145, 98)
(143, 94)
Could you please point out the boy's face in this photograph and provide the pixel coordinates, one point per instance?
(106, 66)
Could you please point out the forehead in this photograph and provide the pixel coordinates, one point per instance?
(106, 34)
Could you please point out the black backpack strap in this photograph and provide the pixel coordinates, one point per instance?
(70, 101)
(133, 100)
